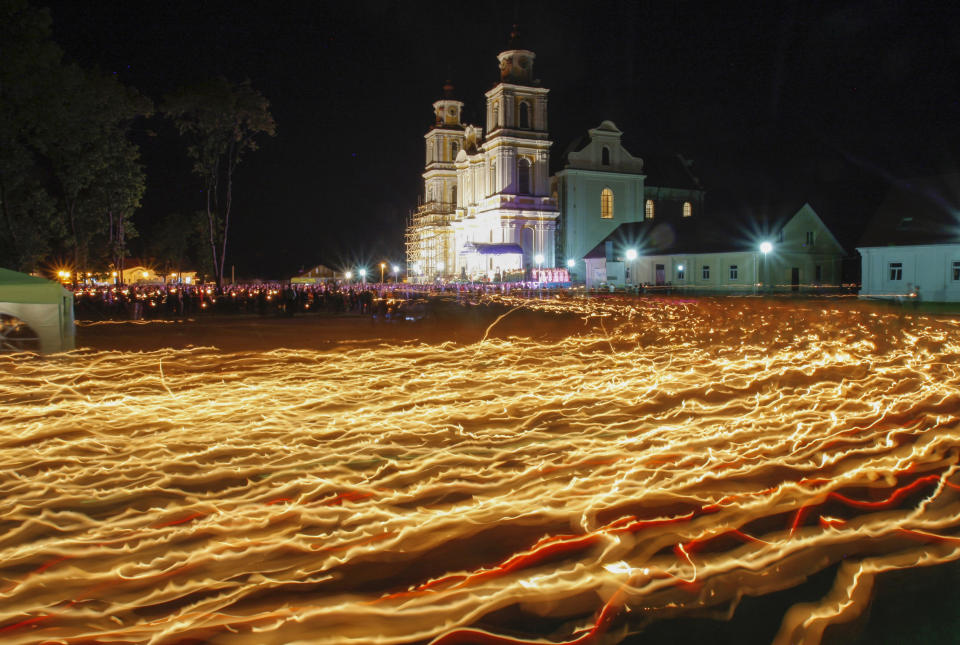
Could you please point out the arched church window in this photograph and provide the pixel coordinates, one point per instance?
(523, 176)
(606, 204)
(648, 212)
(687, 209)
(524, 115)
(493, 177)
(454, 149)
(605, 156)
(496, 116)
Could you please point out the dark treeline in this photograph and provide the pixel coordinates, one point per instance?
(71, 177)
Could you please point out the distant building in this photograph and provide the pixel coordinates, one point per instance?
(317, 274)
(602, 186)
(912, 246)
(718, 254)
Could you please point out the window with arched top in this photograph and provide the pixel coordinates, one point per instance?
(496, 116)
(454, 149)
(524, 115)
(687, 209)
(648, 210)
(453, 195)
(523, 176)
(605, 156)
(606, 204)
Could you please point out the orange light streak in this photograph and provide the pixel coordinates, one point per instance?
(665, 456)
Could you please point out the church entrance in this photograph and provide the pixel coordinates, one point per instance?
(661, 275)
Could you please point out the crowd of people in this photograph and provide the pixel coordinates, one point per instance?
(139, 302)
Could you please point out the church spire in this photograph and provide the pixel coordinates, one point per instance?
(514, 40)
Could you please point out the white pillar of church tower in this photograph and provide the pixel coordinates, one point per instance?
(517, 155)
(430, 251)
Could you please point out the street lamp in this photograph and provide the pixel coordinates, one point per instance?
(383, 265)
(631, 254)
(348, 275)
(363, 275)
(539, 260)
(395, 270)
(766, 247)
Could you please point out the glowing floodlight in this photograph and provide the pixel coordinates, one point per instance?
(766, 247)
(570, 263)
(631, 254)
(680, 268)
(348, 275)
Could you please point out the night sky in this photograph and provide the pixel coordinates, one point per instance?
(776, 102)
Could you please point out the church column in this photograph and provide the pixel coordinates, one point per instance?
(508, 171)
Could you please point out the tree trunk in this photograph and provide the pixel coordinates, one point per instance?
(122, 242)
(226, 218)
(211, 215)
(7, 218)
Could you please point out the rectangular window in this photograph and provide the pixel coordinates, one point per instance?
(734, 272)
(706, 271)
(956, 271)
(680, 273)
(809, 238)
(896, 270)
(818, 272)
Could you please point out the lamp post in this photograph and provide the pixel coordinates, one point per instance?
(383, 265)
(631, 256)
(363, 276)
(348, 275)
(395, 270)
(765, 248)
(440, 267)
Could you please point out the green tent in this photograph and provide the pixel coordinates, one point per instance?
(35, 314)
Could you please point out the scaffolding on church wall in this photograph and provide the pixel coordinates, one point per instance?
(429, 241)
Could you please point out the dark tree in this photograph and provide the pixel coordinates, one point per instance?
(69, 176)
(221, 121)
(29, 68)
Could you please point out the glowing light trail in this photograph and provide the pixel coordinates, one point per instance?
(671, 457)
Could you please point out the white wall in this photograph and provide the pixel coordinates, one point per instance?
(929, 266)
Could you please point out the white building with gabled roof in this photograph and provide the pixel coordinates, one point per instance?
(911, 249)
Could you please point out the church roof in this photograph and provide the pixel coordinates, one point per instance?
(702, 233)
(493, 249)
(670, 171)
(917, 211)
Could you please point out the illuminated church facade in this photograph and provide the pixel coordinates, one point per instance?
(487, 209)
(491, 209)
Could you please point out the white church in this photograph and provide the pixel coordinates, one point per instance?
(491, 209)
(487, 210)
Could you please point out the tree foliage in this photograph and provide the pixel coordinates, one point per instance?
(70, 179)
(28, 67)
(221, 122)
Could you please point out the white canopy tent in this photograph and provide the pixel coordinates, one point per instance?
(35, 314)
